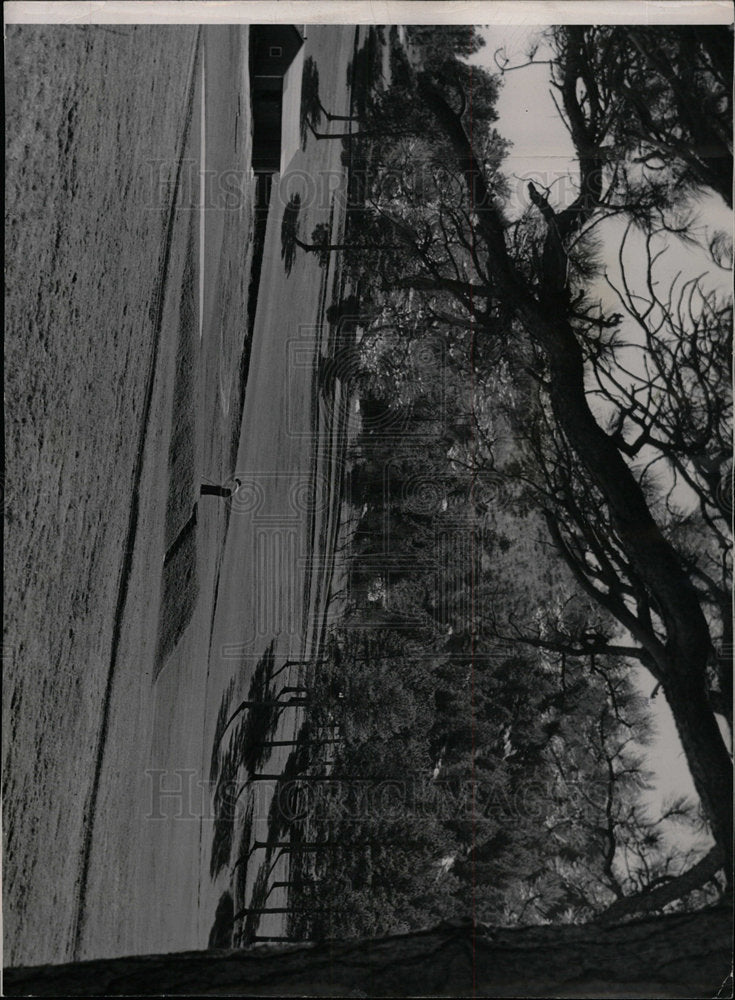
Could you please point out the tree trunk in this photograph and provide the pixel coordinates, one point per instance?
(684, 955)
(324, 247)
(650, 900)
(337, 118)
(681, 663)
(339, 247)
(350, 135)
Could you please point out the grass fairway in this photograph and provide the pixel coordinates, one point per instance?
(121, 603)
(116, 410)
(95, 123)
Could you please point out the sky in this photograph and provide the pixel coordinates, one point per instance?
(542, 151)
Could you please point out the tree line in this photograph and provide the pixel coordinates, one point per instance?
(535, 436)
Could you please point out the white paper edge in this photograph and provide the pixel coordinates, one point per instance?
(371, 12)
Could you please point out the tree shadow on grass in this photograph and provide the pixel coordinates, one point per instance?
(261, 720)
(311, 109)
(257, 901)
(220, 935)
(179, 582)
(224, 813)
(285, 817)
(245, 749)
(289, 231)
(365, 71)
(288, 802)
(241, 864)
(222, 716)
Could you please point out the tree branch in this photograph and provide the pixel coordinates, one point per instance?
(655, 899)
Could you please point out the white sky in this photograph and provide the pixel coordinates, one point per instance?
(542, 150)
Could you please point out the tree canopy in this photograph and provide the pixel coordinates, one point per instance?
(602, 421)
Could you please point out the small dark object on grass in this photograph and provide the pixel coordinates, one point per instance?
(210, 490)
